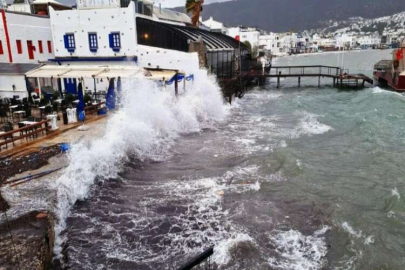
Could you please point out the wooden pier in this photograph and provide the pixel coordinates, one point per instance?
(341, 77)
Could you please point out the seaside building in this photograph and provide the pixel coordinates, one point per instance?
(270, 43)
(369, 41)
(25, 42)
(215, 26)
(129, 35)
(246, 34)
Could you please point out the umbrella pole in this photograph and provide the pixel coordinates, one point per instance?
(95, 89)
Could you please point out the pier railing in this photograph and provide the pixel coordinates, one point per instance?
(295, 71)
(24, 132)
(94, 108)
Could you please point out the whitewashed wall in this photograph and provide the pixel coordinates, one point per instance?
(6, 86)
(151, 57)
(26, 27)
(100, 21)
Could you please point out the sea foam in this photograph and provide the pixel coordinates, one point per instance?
(297, 251)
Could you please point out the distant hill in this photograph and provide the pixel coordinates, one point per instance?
(387, 25)
(284, 15)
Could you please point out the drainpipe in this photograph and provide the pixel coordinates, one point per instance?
(10, 55)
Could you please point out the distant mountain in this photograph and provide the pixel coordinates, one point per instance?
(394, 25)
(284, 15)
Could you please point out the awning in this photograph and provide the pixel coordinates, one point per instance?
(53, 71)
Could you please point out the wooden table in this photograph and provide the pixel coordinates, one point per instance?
(27, 123)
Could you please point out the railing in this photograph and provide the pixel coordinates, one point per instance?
(306, 71)
(93, 108)
(30, 130)
(201, 261)
(384, 65)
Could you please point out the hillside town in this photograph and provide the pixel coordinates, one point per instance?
(280, 44)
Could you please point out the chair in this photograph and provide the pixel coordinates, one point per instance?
(27, 109)
(55, 107)
(8, 128)
(31, 118)
(3, 114)
(21, 125)
(48, 110)
(25, 100)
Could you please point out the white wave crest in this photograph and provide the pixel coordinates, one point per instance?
(395, 193)
(222, 255)
(350, 230)
(297, 251)
(309, 125)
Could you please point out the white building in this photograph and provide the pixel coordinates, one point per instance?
(25, 38)
(270, 43)
(25, 42)
(369, 41)
(345, 41)
(215, 26)
(245, 34)
(113, 35)
(12, 79)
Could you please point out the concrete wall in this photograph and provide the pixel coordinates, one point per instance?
(25, 27)
(100, 21)
(6, 86)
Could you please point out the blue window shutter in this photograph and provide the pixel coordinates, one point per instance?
(65, 38)
(111, 38)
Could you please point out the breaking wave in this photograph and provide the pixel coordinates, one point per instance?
(297, 251)
(150, 120)
(309, 125)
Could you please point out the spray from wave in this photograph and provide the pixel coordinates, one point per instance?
(150, 120)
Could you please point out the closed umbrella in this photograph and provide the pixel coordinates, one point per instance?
(30, 90)
(80, 105)
(110, 98)
(119, 91)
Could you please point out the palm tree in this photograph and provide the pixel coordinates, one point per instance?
(194, 7)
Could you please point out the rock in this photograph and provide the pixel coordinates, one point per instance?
(32, 242)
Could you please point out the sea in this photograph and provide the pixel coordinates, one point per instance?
(288, 178)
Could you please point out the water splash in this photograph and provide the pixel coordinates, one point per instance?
(148, 123)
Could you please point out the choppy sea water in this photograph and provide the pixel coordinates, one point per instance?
(307, 178)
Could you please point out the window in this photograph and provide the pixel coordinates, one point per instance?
(41, 49)
(49, 46)
(154, 34)
(31, 49)
(70, 43)
(1, 48)
(19, 47)
(93, 44)
(115, 41)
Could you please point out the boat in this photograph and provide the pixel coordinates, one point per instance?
(391, 73)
